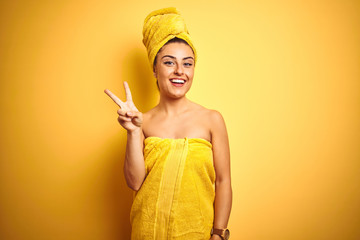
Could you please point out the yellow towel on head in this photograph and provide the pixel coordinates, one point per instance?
(162, 25)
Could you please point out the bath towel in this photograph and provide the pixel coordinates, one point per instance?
(176, 198)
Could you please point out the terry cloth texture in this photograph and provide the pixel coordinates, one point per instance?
(162, 25)
(176, 198)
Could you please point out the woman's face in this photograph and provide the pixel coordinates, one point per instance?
(174, 69)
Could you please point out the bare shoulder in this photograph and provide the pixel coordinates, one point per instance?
(209, 115)
(202, 110)
(216, 117)
(216, 124)
(212, 116)
(149, 114)
(147, 118)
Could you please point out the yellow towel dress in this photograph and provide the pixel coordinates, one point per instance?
(176, 198)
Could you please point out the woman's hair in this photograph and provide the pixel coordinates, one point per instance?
(173, 40)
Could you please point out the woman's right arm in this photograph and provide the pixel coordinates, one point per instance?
(131, 120)
(134, 165)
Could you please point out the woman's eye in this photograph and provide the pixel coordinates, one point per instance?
(168, 63)
(188, 64)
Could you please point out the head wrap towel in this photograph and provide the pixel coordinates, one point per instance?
(162, 25)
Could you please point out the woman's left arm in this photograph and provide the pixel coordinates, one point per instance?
(221, 155)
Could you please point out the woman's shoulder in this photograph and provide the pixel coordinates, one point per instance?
(150, 113)
(209, 114)
(212, 120)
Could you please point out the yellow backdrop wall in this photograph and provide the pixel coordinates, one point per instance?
(284, 74)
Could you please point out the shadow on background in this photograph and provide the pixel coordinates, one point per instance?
(136, 71)
(118, 196)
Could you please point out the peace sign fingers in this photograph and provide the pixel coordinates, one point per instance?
(129, 116)
(120, 103)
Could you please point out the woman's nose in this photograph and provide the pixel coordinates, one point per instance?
(179, 69)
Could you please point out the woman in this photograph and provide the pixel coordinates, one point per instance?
(177, 154)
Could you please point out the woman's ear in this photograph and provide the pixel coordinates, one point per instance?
(154, 72)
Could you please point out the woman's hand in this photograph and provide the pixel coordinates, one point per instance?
(129, 116)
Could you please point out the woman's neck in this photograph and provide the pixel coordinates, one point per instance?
(173, 107)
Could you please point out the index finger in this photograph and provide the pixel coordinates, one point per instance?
(114, 98)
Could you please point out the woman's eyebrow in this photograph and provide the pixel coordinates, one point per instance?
(169, 56)
(175, 57)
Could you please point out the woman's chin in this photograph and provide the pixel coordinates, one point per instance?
(176, 93)
(177, 96)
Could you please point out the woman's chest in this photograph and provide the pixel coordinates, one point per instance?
(178, 128)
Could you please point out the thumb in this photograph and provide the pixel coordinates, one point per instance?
(136, 117)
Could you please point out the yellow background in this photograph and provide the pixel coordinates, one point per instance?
(284, 74)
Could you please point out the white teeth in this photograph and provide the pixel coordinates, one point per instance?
(177, 81)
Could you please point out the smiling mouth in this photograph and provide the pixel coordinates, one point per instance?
(177, 82)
